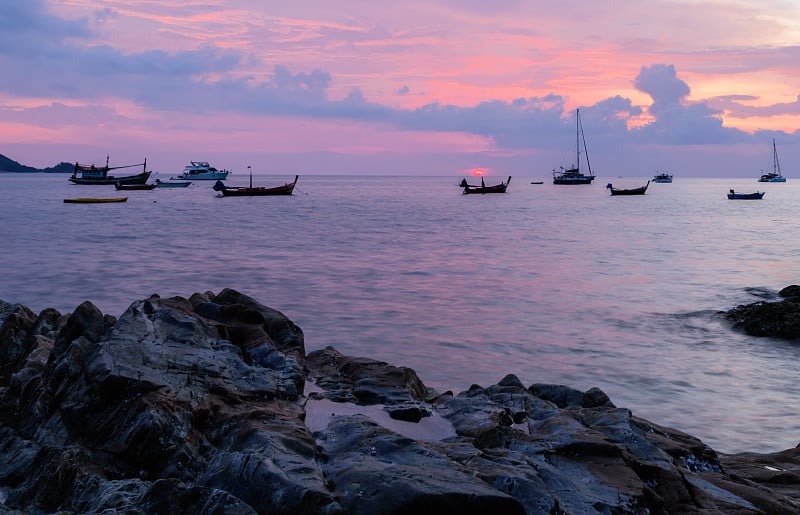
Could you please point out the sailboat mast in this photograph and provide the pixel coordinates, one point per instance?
(577, 138)
(776, 165)
(585, 150)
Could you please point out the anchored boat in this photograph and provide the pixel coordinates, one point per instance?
(483, 188)
(94, 200)
(91, 174)
(254, 191)
(775, 174)
(201, 171)
(574, 175)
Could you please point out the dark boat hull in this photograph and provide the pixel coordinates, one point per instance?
(257, 191)
(637, 191)
(130, 187)
(586, 179)
(497, 188)
(746, 196)
(140, 178)
(631, 191)
(90, 200)
(172, 184)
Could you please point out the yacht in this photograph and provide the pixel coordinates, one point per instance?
(775, 174)
(200, 171)
(574, 175)
(663, 177)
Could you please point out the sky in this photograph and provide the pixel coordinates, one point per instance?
(419, 87)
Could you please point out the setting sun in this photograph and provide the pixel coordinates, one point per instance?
(477, 172)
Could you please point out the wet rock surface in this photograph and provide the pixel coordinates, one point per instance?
(210, 404)
(777, 319)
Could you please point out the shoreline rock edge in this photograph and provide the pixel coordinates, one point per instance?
(200, 405)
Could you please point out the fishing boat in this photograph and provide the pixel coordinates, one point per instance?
(129, 187)
(732, 195)
(201, 171)
(631, 191)
(574, 175)
(483, 188)
(254, 191)
(91, 174)
(775, 174)
(663, 177)
(172, 184)
(94, 200)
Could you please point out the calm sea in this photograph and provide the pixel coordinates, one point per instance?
(556, 284)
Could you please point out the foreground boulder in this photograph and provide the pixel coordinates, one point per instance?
(778, 319)
(211, 405)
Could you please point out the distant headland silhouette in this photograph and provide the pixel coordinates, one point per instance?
(9, 165)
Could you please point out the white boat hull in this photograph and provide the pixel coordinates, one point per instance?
(211, 176)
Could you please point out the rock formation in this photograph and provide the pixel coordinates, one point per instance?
(779, 319)
(211, 405)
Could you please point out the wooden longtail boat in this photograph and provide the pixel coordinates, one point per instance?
(254, 191)
(497, 188)
(631, 191)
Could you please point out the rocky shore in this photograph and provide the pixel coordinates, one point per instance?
(210, 404)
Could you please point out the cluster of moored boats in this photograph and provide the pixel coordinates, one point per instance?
(202, 170)
(196, 171)
(94, 175)
(641, 190)
(574, 175)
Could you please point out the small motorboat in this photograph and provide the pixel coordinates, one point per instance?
(732, 195)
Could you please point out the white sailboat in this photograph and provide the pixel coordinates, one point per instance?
(574, 175)
(775, 174)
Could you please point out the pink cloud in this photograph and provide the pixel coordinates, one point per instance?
(443, 78)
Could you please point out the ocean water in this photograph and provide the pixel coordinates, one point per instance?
(556, 284)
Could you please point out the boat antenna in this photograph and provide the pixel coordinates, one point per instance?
(250, 169)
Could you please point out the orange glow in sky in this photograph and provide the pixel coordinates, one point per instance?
(359, 86)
